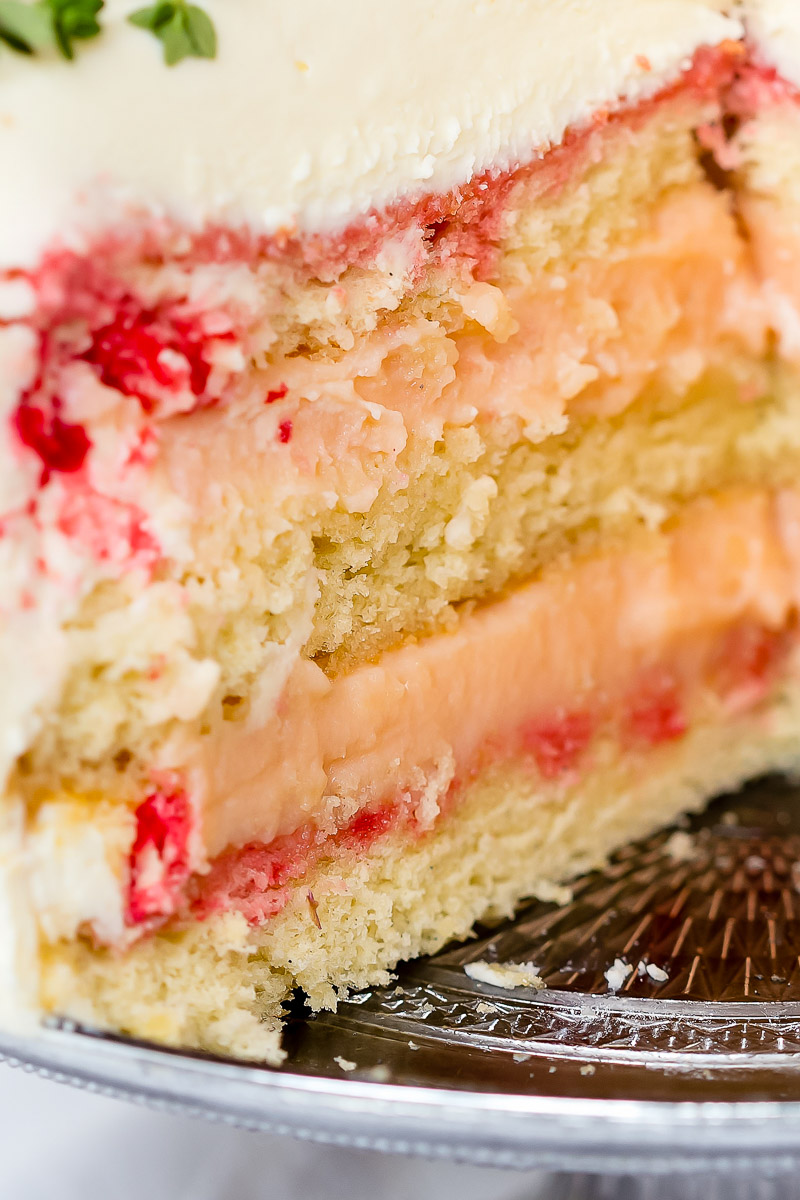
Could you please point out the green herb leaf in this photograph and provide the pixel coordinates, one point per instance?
(152, 18)
(25, 28)
(201, 31)
(73, 20)
(184, 30)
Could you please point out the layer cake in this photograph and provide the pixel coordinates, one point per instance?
(401, 427)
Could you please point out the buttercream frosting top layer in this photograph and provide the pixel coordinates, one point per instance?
(774, 26)
(315, 111)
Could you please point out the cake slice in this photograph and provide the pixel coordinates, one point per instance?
(399, 504)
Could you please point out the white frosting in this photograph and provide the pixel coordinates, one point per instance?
(774, 26)
(315, 110)
(78, 858)
(19, 967)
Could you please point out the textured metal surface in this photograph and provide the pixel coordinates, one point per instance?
(694, 1064)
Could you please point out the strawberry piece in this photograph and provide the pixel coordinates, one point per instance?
(276, 394)
(655, 714)
(369, 824)
(556, 745)
(60, 446)
(144, 353)
(159, 858)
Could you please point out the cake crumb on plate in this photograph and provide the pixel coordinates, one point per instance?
(505, 975)
(617, 973)
(344, 1063)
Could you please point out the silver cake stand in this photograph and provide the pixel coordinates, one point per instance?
(691, 1066)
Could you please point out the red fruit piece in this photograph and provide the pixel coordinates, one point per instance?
(557, 744)
(59, 445)
(655, 713)
(159, 858)
(276, 394)
(370, 824)
(285, 431)
(142, 353)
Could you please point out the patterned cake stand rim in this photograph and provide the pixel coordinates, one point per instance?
(492, 1129)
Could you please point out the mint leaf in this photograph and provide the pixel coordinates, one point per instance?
(25, 28)
(175, 40)
(201, 30)
(184, 30)
(72, 20)
(152, 18)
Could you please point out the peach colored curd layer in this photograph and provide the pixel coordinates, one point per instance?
(584, 636)
(681, 294)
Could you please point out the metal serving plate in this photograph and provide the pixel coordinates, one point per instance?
(697, 1070)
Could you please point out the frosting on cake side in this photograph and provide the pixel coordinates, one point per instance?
(774, 26)
(313, 113)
